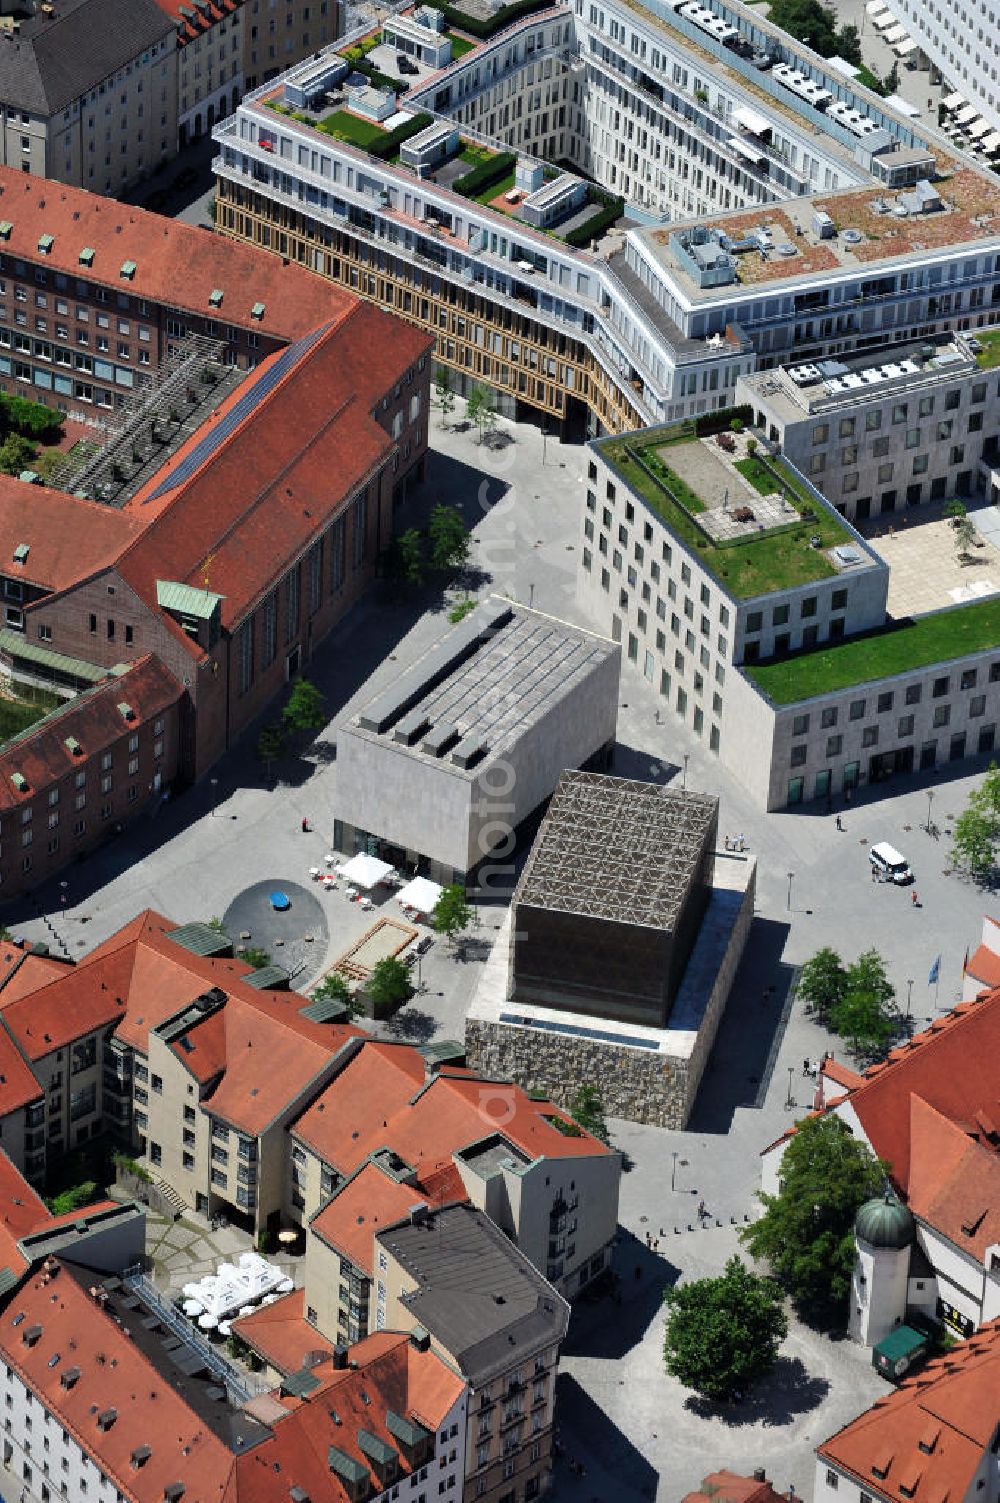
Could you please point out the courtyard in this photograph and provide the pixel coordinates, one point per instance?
(637, 1434)
(927, 572)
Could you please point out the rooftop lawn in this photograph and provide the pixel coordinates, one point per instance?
(989, 356)
(344, 126)
(931, 639)
(495, 189)
(459, 45)
(775, 560)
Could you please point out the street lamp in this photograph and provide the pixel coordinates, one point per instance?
(531, 596)
(909, 995)
(673, 1173)
(788, 1098)
(791, 876)
(930, 800)
(685, 782)
(215, 791)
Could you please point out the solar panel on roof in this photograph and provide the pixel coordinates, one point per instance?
(258, 390)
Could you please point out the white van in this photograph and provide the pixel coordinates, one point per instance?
(888, 864)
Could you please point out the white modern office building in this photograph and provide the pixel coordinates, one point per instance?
(773, 210)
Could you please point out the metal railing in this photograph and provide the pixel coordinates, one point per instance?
(240, 1386)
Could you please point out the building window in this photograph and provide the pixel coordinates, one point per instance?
(246, 647)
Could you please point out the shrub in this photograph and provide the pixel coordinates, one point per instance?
(613, 210)
(472, 183)
(386, 146)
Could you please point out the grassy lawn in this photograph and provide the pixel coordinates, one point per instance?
(761, 477)
(459, 46)
(344, 126)
(772, 561)
(17, 715)
(474, 155)
(932, 639)
(989, 356)
(503, 186)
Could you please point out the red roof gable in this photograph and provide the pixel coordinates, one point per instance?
(952, 1406)
(67, 538)
(244, 503)
(951, 1066)
(954, 1181)
(93, 719)
(366, 1108)
(176, 264)
(21, 1211)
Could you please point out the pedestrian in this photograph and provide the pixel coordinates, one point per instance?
(702, 1213)
(914, 899)
(874, 875)
(305, 825)
(840, 823)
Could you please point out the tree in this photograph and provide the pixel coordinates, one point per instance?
(256, 957)
(444, 396)
(334, 988)
(809, 22)
(723, 1334)
(849, 45)
(449, 537)
(806, 1233)
(16, 454)
(389, 982)
(974, 847)
(890, 82)
(410, 556)
(452, 912)
(977, 828)
(821, 983)
(305, 710)
(479, 409)
(270, 744)
(865, 1012)
(587, 1111)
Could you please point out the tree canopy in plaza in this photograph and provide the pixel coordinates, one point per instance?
(806, 1233)
(723, 1334)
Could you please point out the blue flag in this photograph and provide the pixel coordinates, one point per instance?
(935, 971)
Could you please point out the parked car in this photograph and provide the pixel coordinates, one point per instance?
(889, 865)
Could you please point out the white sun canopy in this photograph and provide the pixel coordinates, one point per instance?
(421, 894)
(364, 870)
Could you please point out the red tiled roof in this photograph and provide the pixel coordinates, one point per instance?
(79, 1333)
(272, 1055)
(952, 1066)
(366, 1108)
(21, 1211)
(841, 1074)
(281, 1334)
(93, 719)
(177, 264)
(197, 21)
(261, 495)
(68, 538)
(390, 1375)
(952, 1406)
(22, 971)
(62, 1010)
(730, 1487)
(370, 1201)
(984, 966)
(954, 1181)
(18, 1084)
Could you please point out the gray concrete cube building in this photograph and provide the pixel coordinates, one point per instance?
(437, 772)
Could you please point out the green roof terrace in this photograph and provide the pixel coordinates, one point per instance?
(937, 638)
(747, 516)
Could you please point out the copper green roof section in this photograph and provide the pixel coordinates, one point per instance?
(299, 1384)
(186, 600)
(937, 638)
(324, 1010)
(409, 1431)
(202, 939)
(343, 1465)
(268, 978)
(14, 645)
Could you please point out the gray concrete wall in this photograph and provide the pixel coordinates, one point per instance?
(654, 1087)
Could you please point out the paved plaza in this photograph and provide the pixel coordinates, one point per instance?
(636, 1432)
(927, 573)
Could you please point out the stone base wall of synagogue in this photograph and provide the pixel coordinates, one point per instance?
(654, 1087)
(637, 1084)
